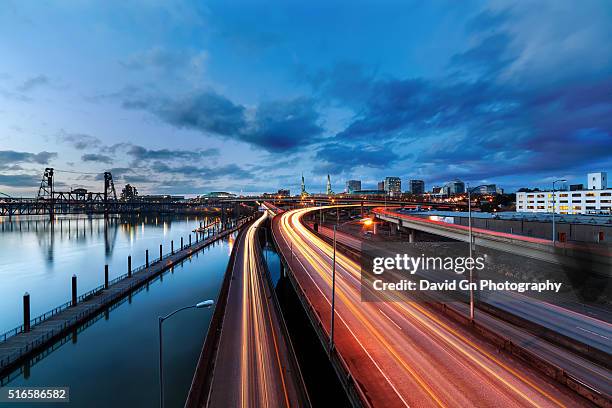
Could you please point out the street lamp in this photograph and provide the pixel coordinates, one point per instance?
(554, 238)
(200, 305)
(333, 302)
(471, 243)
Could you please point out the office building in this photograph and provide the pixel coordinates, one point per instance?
(381, 185)
(597, 199)
(352, 186)
(393, 185)
(454, 187)
(598, 181)
(416, 186)
(566, 202)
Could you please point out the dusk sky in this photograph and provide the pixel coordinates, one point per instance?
(191, 97)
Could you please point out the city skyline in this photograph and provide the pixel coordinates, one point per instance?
(183, 98)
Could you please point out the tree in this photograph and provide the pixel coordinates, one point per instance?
(129, 192)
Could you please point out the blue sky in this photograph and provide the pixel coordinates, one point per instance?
(189, 97)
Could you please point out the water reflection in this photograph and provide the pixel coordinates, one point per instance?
(81, 230)
(39, 256)
(118, 348)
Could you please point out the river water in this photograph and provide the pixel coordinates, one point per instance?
(113, 361)
(39, 257)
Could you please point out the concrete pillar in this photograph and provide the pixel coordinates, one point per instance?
(129, 265)
(375, 228)
(410, 235)
(106, 276)
(147, 258)
(181, 242)
(189, 239)
(74, 290)
(172, 247)
(26, 312)
(160, 252)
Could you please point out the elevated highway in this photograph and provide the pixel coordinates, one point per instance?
(400, 353)
(566, 254)
(254, 363)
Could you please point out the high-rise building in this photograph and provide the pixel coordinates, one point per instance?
(598, 181)
(455, 187)
(416, 186)
(381, 185)
(352, 186)
(392, 185)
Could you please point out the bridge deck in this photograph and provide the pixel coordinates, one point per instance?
(20, 346)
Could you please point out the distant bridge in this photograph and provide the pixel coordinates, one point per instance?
(51, 202)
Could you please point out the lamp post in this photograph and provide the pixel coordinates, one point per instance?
(200, 305)
(554, 237)
(333, 302)
(471, 248)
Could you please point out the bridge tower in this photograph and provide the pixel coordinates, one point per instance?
(329, 189)
(109, 190)
(303, 192)
(45, 191)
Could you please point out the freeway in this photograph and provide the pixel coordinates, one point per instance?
(594, 332)
(255, 365)
(401, 353)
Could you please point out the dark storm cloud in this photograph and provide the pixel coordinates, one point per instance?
(205, 111)
(11, 156)
(93, 157)
(275, 126)
(142, 154)
(282, 126)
